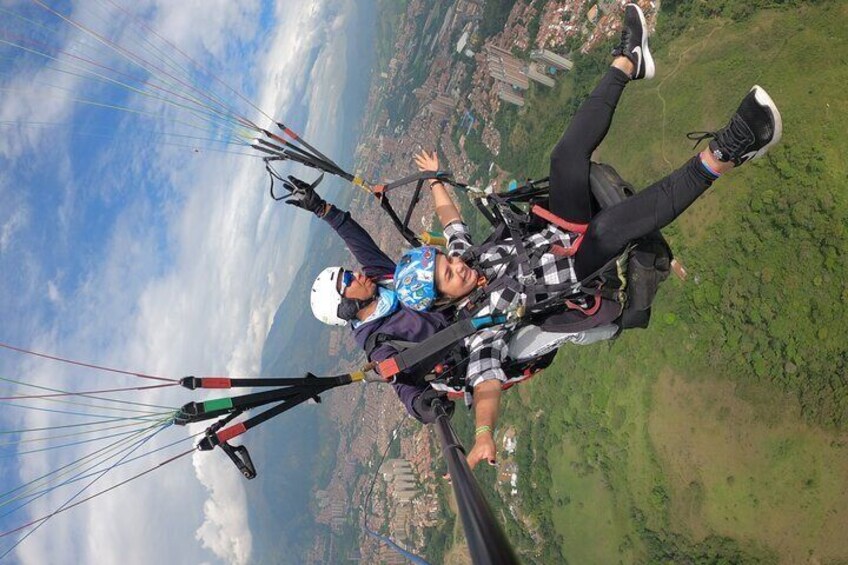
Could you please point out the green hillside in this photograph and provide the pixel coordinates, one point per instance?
(719, 434)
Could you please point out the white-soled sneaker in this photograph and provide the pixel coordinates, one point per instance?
(634, 43)
(752, 131)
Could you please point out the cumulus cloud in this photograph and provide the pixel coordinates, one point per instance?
(224, 529)
(187, 281)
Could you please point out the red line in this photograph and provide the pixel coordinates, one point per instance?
(85, 392)
(143, 63)
(95, 495)
(190, 58)
(87, 365)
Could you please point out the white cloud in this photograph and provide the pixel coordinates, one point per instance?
(35, 94)
(17, 221)
(224, 529)
(188, 282)
(54, 295)
(222, 20)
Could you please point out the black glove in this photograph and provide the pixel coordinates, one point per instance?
(303, 195)
(423, 405)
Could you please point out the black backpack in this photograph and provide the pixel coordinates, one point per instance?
(649, 260)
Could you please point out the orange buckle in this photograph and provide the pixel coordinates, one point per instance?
(388, 368)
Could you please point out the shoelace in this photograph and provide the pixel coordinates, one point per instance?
(734, 138)
(621, 48)
(699, 136)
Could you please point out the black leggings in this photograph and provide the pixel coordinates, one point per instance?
(611, 229)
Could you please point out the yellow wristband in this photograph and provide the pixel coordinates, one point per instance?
(482, 430)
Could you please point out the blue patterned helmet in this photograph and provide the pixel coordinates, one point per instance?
(414, 278)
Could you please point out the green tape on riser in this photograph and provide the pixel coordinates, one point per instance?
(219, 404)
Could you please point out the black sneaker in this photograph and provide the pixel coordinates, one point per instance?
(752, 130)
(634, 43)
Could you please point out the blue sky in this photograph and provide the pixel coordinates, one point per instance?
(119, 247)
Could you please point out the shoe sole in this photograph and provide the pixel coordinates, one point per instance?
(763, 99)
(647, 59)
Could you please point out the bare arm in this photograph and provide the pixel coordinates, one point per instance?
(446, 210)
(487, 401)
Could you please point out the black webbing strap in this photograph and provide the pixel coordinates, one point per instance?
(402, 225)
(485, 211)
(420, 177)
(435, 345)
(514, 223)
(377, 339)
(410, 236)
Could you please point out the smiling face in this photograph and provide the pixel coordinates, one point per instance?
(360, 288)
(454, 278)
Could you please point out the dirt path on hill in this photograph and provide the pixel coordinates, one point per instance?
(673, 72)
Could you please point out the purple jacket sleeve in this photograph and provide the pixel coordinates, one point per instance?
(374, 262)
(407, 393)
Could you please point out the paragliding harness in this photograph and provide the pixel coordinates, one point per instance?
(442, 360)
(621, 292)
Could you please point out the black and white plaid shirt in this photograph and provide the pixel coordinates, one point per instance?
(488, 347)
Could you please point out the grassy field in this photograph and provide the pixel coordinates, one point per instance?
(582, 499)
(719, 434)
(739, 470)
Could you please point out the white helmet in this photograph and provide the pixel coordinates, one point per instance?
(325, 297)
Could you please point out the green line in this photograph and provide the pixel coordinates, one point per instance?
(107, 399)
(76, 434)
(65, 426)
(91, 459)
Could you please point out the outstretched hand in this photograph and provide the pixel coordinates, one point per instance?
(303, 195)
(427, 162)
(484, 450)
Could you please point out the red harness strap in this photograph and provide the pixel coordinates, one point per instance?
(591, 311)
(552, 218)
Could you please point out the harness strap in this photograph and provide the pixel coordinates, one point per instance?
(590, 311)
(552, 218)
(526, 276)
(511, 220)
(435, 345)
(574, 321)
